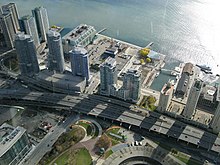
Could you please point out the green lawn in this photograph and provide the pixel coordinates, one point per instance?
(87, 126)
(83, 157)
(108, 153)
(62, 159)
(186, 159)
(78, 157)
(114, 140)
(114, 131)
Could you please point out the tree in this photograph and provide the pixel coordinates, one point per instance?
(144, 51)
(142, 61)
(151, 99)
(103, 142)
(148, 60)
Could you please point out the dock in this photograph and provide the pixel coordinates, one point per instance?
(102, 30)
(149, 45)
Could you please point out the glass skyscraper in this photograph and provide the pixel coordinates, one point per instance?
(28, 25)
(27, 55)
(40, 15)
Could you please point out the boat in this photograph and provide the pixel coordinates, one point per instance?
(204, 67)
(157, 74)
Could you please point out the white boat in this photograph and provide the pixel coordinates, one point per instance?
(174, 73)
(157, 74)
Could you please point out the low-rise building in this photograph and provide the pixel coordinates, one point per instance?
(182, 86)
(82, 35)
(14, 144)
(188, 69)
(207, 98)
(61, 82)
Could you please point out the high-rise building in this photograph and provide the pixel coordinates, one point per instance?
(131, 84)
(165, 96)
(215, 124)
(12, 8)
(40, 15)
(55, 56)
(80, 62)
(192, 99)
(27, 55)
(28, 25)
(108, 75)
(8, 29)
(1, 11)
(14, 144)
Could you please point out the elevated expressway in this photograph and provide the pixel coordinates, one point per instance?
(117, 111)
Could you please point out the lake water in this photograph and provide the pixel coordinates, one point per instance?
(187, 30)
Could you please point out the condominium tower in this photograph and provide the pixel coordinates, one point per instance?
(8, 29)
(108, 75)
(192, 99)
(28, 25)
(40, 15)
(27, 55)
(131, 84)
(55, 57)
(215, 124)
(165, 96)
(12, 8)
(80, 62)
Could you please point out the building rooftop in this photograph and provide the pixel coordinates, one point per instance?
(8, 136)
(4, 14)
(61, 79)
(52, 33)
(79, 31)
(197, 84)
(154, 55)
(188, 68)
(134, 70)
(26, 17)
(208, 92)
(39, 8)
(21, 36)
(110, 62)
(182, 84)
(8, 5)
(79, 50)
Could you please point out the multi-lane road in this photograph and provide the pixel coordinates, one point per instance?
(120, 111)
(46, 144)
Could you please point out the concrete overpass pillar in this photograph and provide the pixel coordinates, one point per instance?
(112, 121)
(129, 127)
(103, 118)
(120, 124)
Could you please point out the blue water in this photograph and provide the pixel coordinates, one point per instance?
(186, 30)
